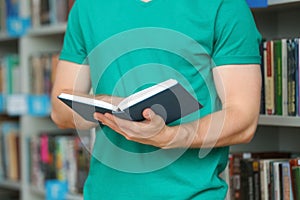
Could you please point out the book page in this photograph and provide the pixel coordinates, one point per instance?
(89, 101)
(146, 93)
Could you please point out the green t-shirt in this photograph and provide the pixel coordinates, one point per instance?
(130, 45)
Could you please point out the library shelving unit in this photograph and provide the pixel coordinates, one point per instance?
(44, 39)
(276, 133)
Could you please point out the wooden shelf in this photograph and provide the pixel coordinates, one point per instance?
(279, 121)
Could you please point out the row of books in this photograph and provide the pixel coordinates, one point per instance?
(9, 151)
(264, 175)
(41, 71)
(45, 12)
(10, 74)
(17, 16)
(42, 67)
(59, 156)
(280, 68)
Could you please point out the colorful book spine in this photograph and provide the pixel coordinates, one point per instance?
(278, 76)
(269, 78)
(291, 64)
(298, 78)
(295, 180)
(287, 193)
(284, 78)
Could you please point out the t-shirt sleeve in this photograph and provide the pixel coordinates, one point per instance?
(236, 39)
(73, 49)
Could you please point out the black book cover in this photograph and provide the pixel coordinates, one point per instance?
(171, 104)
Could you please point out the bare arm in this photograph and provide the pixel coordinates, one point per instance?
(70, 77)
(239, 89)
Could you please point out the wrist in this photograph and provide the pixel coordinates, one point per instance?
(182, 136)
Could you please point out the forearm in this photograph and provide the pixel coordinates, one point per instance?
(70, 78)
(227, 127)
(64, 117)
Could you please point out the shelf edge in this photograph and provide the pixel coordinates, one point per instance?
(279, 121)
(10, 184)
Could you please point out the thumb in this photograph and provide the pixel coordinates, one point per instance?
(148, 114)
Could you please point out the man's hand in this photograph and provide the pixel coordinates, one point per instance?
(151, 131)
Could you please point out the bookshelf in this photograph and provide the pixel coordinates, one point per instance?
(278, 20)
(274, 133)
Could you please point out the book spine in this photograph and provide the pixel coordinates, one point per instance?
(291, 55)
(278, 76)
(295, 177)
(286, 181)
(270, 101)
(256, 178)
(284, 78)
(262, 69)
(276, 181)
(2, 16)
(247, 187)
(12, 8)
(264, 178)
(45, 12)
(35, 13)
(298, 78)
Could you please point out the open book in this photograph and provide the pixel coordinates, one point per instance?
(168, 99)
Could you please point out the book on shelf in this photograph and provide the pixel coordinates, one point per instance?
(17, 17)
(9, 150)
(286, 181)
(262, 70)
(269, 78)
(50, 12)
(2, 16)
(284, 77)
(295, 177)
(59, 156)
(11, 73)
(292, 79)
(42, 68)
(169, 99)
(259, 175)
(281, 77)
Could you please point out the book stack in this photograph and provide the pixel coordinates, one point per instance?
(265, 175)
(59, 156)
(280, 68)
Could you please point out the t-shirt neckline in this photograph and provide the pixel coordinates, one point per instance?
(146, 2)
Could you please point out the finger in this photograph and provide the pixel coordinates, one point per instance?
(98, 116)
